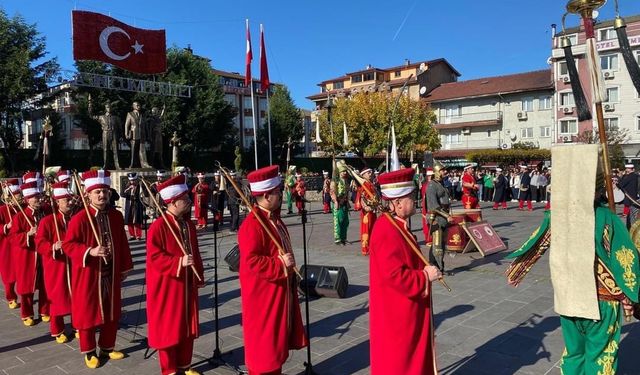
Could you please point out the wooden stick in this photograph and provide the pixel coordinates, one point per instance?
(21, 210)
(86, 210)
(175, 236)
(258, 217)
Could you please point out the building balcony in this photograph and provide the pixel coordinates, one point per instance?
(470, 120)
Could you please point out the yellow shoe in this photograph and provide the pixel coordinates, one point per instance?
(191, 372)
(28, 322)
(62, 338)
(114, 354)
(91, 361)
(13, 304)
(78, 335)
(45, 318)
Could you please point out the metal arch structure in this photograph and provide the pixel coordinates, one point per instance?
(102, 81)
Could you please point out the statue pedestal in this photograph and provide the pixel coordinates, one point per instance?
(119, 180)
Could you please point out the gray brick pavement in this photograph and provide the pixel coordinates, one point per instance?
(482, 327)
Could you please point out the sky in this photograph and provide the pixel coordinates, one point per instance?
(308, 42)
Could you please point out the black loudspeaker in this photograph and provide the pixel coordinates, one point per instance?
(312, 280)
(325, 281)
(233, 259)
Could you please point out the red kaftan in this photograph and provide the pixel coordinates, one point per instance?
(399, 312)
(86, 281)
(56, 265)
(271, 319)
(172, 290)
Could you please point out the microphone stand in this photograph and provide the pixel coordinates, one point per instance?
(307, 365)
(216, 359)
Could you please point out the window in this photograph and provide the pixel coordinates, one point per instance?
(488, 133)
(566, 99)
(338, 85)
(609, 62)
(612, 95)
(573, 38)
(526, 133)
(527, 104)
(562, 68)
(638, 122)
(611, 124)
(397, 73)
(356, 78)
(546, 102)
(451, 138)
(368, 76)
(606, 34)
(545, 131)
(568, 127)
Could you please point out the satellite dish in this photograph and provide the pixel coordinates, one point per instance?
(595, 14)
(514, 137)
(549, 61)
(423, 67)
(423, 90)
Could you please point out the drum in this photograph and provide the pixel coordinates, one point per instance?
(456, 238)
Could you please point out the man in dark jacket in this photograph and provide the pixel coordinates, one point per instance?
(629, 184)
(525, 189)
(133, 208)
(501, 184)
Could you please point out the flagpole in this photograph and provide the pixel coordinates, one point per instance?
(269, 127)
(255, 127)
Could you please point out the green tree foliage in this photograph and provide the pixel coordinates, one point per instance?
(615, 139)
(286, 121)
(203, 121)
(368, 117)
(24, 72)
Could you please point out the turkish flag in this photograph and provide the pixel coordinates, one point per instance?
(264, 70)
(102, 38)
(249, 58)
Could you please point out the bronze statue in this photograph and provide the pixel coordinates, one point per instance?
(110, 124)
(155, 132)
(135, 131)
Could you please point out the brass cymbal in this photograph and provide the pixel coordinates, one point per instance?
(580, 6)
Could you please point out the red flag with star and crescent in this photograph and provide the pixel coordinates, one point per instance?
(102, 38)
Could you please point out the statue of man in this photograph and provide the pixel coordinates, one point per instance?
(155, 130)
(110, 124)
(175, 143)
(135, 132)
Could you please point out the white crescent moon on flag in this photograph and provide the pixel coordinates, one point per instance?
(104, 42)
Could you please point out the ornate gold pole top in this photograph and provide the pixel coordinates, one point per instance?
(584, 6)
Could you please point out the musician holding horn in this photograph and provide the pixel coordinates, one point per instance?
(401, 326)
(12, 196)
(100, 256)
(28, 262)
(271, 318)
(172, 296)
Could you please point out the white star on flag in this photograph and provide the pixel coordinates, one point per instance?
(137, 47)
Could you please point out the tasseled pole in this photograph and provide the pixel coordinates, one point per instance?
(627, 54)
(579, 98)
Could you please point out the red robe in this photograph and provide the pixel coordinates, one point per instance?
(469, 195)
(26, 259)
(86, 283)
(300, 191)
(7, 266)
(56, 265)
(367, 218)
(201, 194)
(172, 290)
(399, 313)
(271, 319)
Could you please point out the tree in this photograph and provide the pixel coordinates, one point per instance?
(368, 118)
(286, 122)
(615, 139)
(25, 73)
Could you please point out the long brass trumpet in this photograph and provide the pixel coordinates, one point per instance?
(375, 202)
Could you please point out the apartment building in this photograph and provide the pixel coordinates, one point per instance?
(622, 106)
(494, 112)
(420, 78)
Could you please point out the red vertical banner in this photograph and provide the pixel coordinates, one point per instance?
(249, 58)
(264, 70)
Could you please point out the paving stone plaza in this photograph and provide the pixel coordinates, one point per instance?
(483, 326)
